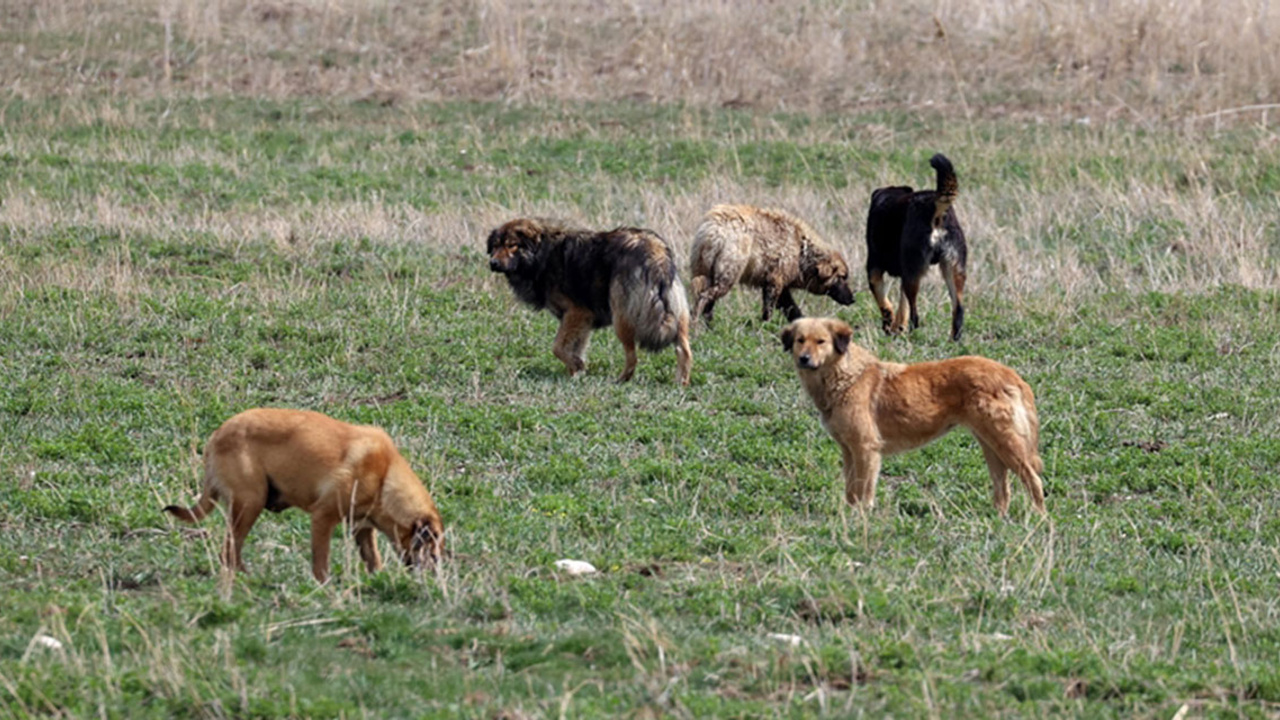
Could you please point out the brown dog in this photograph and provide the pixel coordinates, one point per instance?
(277, 459)
(763, 248)
(873, 408)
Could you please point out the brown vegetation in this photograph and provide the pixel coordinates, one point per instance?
(1141, 59)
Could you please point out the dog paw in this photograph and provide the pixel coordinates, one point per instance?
(886, 321)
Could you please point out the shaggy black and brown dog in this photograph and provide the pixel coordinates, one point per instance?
(624, 277)
(907, 231)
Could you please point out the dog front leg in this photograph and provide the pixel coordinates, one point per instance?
(571, 339)
(368, 545)
(788, 306)
(861, 471)
(322, 526)
(768, 298)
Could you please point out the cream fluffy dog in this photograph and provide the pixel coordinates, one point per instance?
(769, 249)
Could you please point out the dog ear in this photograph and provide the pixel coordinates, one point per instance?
(788, 337)
(426, 537)
(529, 231)
(841, 334)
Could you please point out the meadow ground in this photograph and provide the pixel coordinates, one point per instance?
(172, 252)
(161, 273)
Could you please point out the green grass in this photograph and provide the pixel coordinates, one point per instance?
(714, 512)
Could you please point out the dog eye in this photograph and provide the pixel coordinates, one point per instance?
(819, 341)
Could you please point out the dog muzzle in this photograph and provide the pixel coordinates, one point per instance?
(841, 294)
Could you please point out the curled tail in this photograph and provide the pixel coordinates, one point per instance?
(947, 187)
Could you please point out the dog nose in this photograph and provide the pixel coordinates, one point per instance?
(495, 265)
(805, 361)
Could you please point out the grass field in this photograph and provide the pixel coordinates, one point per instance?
(179, 242)
(178, 263)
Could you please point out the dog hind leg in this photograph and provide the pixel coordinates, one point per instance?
(684, 354)
(719, 278)
(910, 291)
(627, 336)
(999, 478)
(899, 324)
(241, 515)
(1012, 450)
(875, 279)
(703, 304)
(953, 274)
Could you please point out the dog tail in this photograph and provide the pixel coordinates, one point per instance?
(1027, 423)
(195, 513)
(653, 299)
(947, 187)
(208, 499)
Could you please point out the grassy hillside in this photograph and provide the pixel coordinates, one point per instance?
(166, 264)
(206, 207)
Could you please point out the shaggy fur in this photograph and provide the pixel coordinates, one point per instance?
(624, 277)
(272, 459)
(763, 248)
(907, 231)
(873, 408)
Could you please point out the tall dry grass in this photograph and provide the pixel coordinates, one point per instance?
(1142, 59)
(1133, 238)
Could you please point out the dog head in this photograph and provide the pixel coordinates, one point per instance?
(423, 544)
(511, 245)
(813, 342)
(830, 277)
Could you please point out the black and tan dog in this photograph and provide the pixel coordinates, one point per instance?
(273, 459)
(624, 277)
(873, 408)
(909, 230)
(764, 248)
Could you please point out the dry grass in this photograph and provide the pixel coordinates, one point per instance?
(1145, 60)
(1024, 240)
